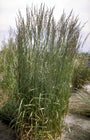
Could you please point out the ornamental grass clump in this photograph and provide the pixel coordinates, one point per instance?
(80, 103)
(81, 73)
(44, 55)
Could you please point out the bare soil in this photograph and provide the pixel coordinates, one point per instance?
(77, 127)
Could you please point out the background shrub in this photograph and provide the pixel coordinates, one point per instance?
(81, 74)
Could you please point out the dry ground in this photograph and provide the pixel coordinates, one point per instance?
(77, 127)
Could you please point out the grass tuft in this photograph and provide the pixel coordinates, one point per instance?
(38, 72)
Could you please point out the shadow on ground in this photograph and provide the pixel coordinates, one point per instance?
(6, 133)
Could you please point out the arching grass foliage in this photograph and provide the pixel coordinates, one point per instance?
(38, 71)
